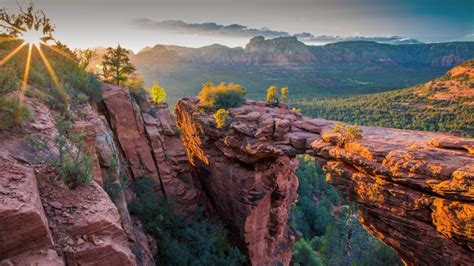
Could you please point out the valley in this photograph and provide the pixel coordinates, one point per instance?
(339, 69)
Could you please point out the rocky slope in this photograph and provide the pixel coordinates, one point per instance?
(456, 84)
(415, 188)
(42, 221)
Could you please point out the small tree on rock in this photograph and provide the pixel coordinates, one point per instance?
(273, 98)
(347, 133)
(272, 94)
(221, 117)
(284, 92)
(116, 65)
(158, 93)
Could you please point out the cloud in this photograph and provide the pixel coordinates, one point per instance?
(236, 30)
(324, 39)
(209, 28)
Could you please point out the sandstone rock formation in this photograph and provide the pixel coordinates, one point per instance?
(43, 222)
(151, 145)
(415, 187)
(23, 223)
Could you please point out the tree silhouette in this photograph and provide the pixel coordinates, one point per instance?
(15, 25)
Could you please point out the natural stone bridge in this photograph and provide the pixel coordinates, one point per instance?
(415, 187)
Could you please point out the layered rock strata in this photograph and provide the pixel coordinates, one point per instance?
(415, 187)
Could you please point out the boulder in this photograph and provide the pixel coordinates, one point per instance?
(23, 224)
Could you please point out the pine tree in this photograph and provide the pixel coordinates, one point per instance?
(116, 65)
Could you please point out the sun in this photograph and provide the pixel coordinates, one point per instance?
(33, 37)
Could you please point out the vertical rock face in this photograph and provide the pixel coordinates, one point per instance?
(42, 221)
(415, 187)
(128, 129)
(252, 194)
(151, 145)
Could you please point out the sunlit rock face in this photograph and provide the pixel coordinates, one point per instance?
(415, 187)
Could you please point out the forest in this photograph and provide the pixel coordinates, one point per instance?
(398, 109)
(330, 231)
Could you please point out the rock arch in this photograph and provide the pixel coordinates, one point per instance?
(415, 187)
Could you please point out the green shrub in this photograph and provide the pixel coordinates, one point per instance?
(222, 96)
(69, 156)
(73, 164)
(181, 239)
(303, 254)
(9, 81)
(12, 113)
(75, 171)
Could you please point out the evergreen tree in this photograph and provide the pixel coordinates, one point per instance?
(116, 66)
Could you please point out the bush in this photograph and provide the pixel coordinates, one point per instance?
(136, 85)
(303, 254)
(9, 81)
(296, 110)
(139, 94)
(272, 94)
(221, 117)
(181, 239)
(12, 113)
(347, 133)
(69, 156)
(73, 164)
(222, 96)
(158, 93)
(273, 98)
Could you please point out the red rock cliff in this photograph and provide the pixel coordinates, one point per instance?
(415, 187)
(42, 221)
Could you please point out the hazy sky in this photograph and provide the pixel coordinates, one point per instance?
(91, 23)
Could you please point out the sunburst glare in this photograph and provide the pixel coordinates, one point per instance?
(32, 36)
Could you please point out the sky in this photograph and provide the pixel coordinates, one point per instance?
(195, 23)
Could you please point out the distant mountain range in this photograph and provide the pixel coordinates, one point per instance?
(287, 51)
(342, 68)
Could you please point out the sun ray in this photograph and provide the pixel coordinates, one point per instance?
(12, 53)
(60, 52)
(24, 82)
(51, 72)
